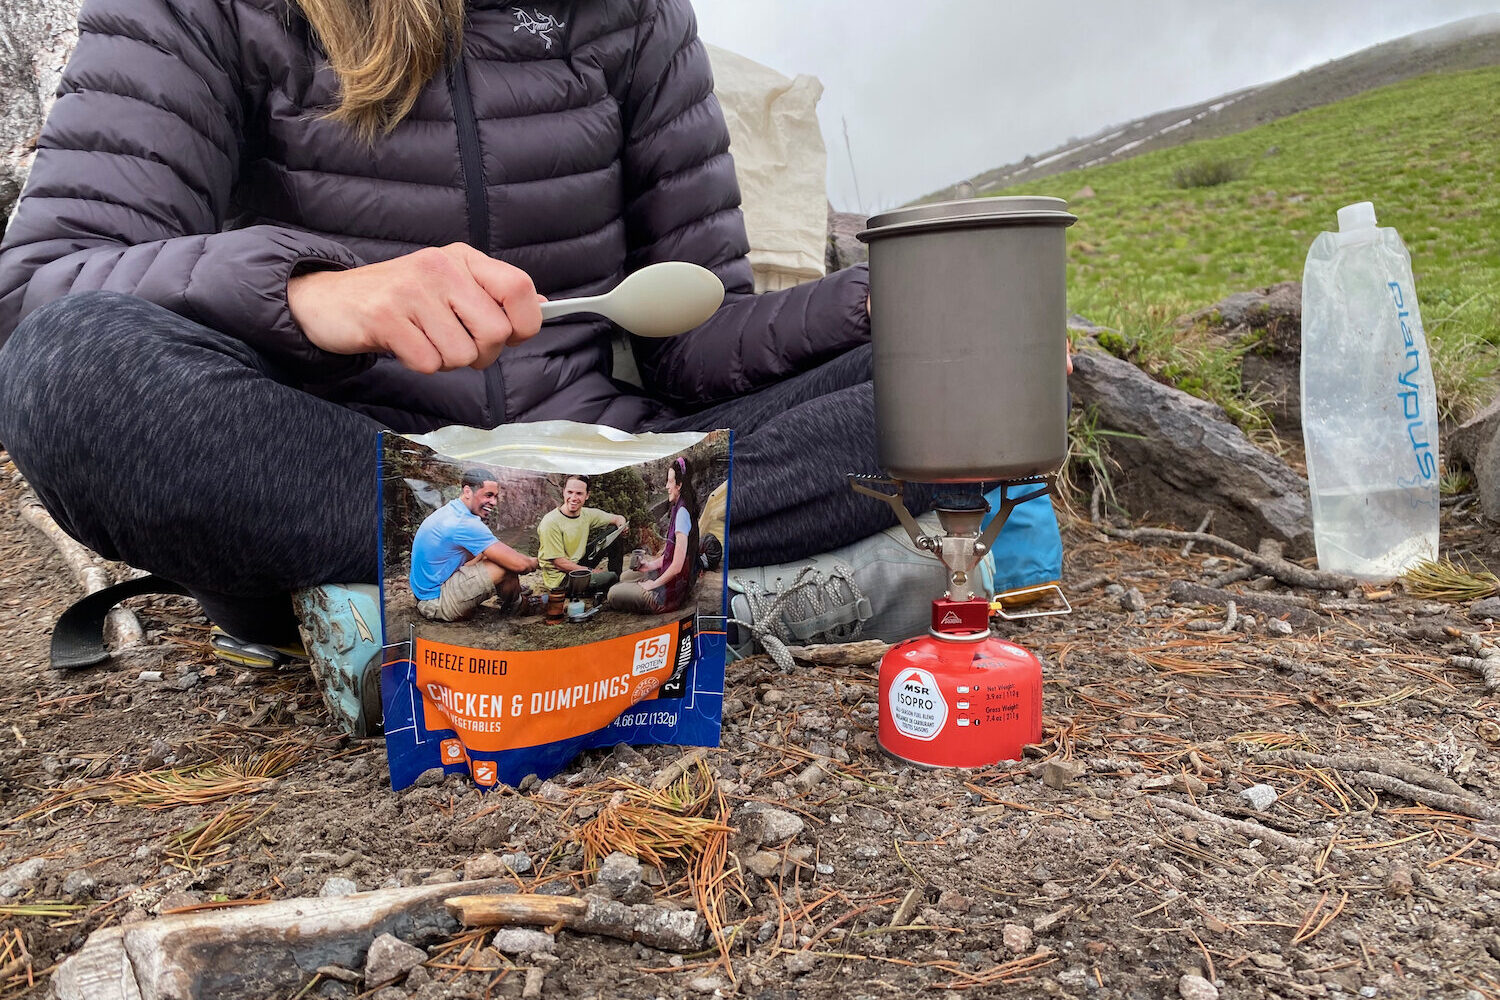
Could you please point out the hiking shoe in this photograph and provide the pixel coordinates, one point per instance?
(255, 655)
(340, 628)
(880, 587)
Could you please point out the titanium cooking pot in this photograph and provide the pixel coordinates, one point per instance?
(578, 582)
(968, 311)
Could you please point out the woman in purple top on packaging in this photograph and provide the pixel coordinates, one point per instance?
(667, 580)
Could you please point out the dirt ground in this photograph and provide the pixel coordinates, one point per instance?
(1110, 863)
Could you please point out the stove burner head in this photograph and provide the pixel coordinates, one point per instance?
(961, 510)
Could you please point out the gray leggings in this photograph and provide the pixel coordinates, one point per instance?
(180, 450)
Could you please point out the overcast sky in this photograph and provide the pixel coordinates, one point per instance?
(935, 91)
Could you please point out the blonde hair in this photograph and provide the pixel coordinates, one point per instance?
(384, 52)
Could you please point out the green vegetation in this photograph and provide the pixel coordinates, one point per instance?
(1146, 250)
(1209, 173)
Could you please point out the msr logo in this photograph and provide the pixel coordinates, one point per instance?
(539, 24)
(951, 618)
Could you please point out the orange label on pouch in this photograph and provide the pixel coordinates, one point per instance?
(499, 701)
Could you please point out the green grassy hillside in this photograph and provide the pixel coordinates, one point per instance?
(1424, 151)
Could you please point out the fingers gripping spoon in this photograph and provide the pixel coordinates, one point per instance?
(660, 300)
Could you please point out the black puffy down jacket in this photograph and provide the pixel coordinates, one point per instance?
(186, 162)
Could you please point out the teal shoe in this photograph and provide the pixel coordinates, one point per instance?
(340, 628)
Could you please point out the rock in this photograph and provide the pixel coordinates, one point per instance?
(1260, 797)
(484, 866)
(1267, 325)
(843, 248)
(1017, 938)
(1487, 608)
(523, 941)
(1182, 456)
(618, 874)
(1476, 443)
(705, 984)
(39, 35)
(953, 902)
(1045, 923)
(18, 877)
(389, 959)
(520, 862)
(769, 825)
(533, 987)
(176, 900)
(1132, 600)
(1189, 785)
(800, 963)
(1398, 884)
(1061, 773)
(338, 887)
(185, 681)
(79, 883)
(339, 973)
(1082, 194)
(1196, 988)
(766, 864)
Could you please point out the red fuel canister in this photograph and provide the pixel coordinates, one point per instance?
(959, 701)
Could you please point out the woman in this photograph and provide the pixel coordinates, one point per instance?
(665, 582)
(256, 233)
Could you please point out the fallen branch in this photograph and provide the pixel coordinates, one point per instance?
(275, 947)
(1349, 762)
(1465, 805)
(1184, 592)
(842, 654)
(1244, 827)
(678, 768)
(652, 926)
(1288, 573)
(1485, 662)
(1187, 546)
(121, 628)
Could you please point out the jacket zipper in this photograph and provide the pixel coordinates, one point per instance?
(468, 153)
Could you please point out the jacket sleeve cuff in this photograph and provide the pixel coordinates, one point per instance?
(238, 285)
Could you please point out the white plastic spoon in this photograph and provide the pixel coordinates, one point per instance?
(660, 300)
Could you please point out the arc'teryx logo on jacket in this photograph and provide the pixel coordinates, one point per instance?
(539, 24)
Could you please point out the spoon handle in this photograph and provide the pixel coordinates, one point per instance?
(566, 307)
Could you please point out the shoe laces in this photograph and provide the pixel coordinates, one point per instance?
(811, 594)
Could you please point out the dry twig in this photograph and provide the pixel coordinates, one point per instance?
(1288, 573)
(1243, 827)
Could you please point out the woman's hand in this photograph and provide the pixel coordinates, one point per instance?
(435, 309)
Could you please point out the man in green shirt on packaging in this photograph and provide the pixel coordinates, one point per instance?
(563, 537)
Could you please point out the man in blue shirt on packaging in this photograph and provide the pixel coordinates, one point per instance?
(456, 560)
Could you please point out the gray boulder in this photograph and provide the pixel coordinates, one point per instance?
(843, 248)
(1183, 458)
(36, 37)
(1476, 443)
(1267, 324)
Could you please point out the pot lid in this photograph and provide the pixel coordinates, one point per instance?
(971, 211)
